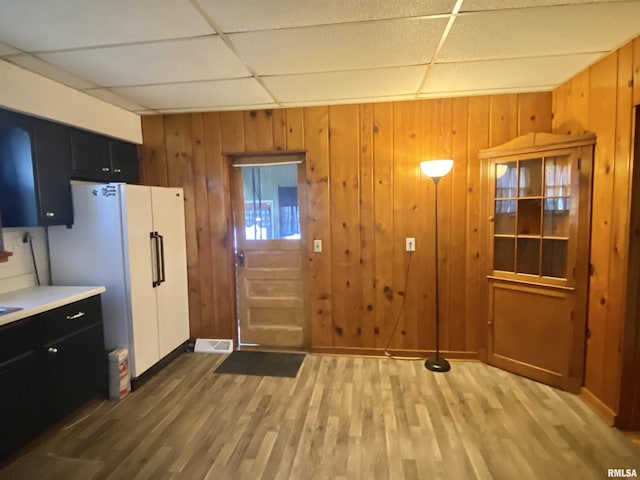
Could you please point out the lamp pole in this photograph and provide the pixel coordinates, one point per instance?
(436, 169)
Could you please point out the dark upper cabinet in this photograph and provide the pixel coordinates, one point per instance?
(124, 161)
(34, 172)
(98, 158)
(52, 155)
(89, 155)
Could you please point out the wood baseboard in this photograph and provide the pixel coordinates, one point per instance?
(379, 352)
(598, 406)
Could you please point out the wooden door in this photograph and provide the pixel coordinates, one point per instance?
(269, 203)
(537, 250)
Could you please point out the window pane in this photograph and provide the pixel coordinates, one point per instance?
(528, 256)
(554, 258)
(271, 202)
(556, 217)
(505, 217)
(557, 177)
(529, 216)
(503, 254)
(530, 178)
(506, 180)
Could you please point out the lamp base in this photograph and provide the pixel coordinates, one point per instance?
(437, 365)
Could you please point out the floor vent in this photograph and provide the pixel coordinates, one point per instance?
(213, 345)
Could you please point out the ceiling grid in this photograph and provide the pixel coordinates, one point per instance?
(152, 56)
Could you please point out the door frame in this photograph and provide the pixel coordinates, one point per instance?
(270, 158)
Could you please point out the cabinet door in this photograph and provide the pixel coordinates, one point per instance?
(22, 399)
(124, 161)
(89, 156)
(21, 402)
(52, 162)
(75, 371)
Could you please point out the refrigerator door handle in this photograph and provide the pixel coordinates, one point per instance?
(162, 276)
(155, 252)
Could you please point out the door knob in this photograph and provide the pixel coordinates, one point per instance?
(240, 259)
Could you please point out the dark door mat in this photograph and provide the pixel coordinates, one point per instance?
(267, 364)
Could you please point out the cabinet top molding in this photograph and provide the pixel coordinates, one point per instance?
(537, 142)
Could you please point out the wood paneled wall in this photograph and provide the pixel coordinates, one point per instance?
(600, 100)
(365, 195)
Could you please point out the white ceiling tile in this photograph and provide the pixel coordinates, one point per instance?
(7, 50)
(112, 98)
(45, 69)
(36, 25)
(194, 59)
(340, 47)
(508, 73)
(481, 5)
(345, 85)
(245, 91)
(249, 15)
(541, 31)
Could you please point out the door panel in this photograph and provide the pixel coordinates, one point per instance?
(531, 333)
(270, 241)
(172, 293)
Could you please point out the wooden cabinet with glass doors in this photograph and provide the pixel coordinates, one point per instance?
(537, 255)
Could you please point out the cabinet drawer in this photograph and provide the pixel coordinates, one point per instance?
(71, 318)
(17, 338)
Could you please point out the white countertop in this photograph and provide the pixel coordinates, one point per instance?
(36, 300)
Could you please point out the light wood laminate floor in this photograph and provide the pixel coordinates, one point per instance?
(342, 418)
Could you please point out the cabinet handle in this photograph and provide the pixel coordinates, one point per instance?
(117, 170)
(50, 214)
(77, 315)
(105, 169)
(52, 350)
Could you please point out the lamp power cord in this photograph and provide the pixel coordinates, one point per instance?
(397, 322)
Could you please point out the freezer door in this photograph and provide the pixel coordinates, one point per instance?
(172, 293)
(140, 261)
(92, 253)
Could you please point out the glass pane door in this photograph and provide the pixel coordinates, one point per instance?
(531, 216)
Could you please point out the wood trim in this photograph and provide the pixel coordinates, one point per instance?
(595, 404)
(267, 153)
(524, 282)
(4, 256)
(536, 143)
(380, 352)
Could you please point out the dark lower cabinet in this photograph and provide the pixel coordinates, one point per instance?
(50, 364)
(75, 369)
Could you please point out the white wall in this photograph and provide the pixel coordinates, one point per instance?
(34, 94)
(18, 272)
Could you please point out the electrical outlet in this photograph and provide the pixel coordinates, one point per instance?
(410, 244)
(317, 246)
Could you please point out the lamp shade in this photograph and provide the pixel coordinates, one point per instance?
(436, 168)
(501, 169)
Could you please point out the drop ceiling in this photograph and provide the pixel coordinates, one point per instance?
(150, 56)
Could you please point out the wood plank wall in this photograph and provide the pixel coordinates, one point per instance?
(365, 195)
(600, 100)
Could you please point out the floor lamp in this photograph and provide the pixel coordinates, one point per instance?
(436, 169)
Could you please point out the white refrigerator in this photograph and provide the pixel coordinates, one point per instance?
(131, 239)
